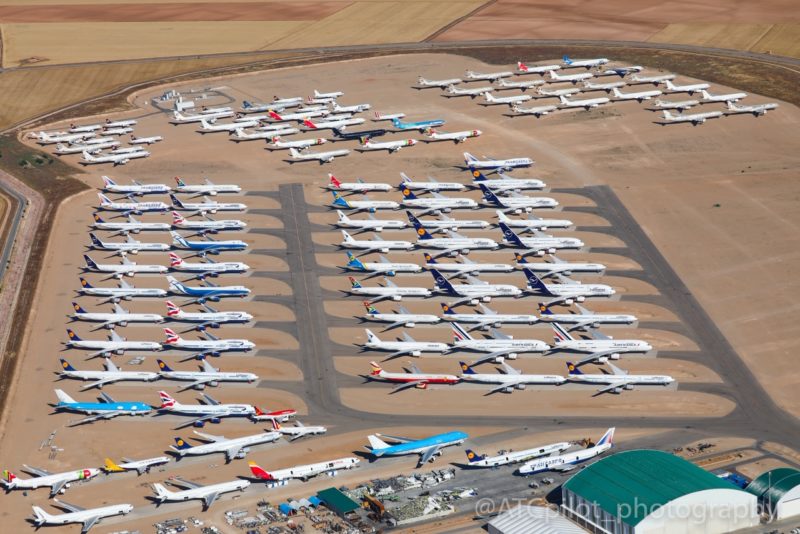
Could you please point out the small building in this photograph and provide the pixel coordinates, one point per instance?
(338, 502)
(778, 492)
(648, 491)
(532, 520)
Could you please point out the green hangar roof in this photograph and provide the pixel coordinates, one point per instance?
(774, 484)
(632, 484)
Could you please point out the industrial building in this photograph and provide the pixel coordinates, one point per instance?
(648, 491)
(778, 492)
(526, 519)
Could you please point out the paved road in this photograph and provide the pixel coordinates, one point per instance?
(15, 219)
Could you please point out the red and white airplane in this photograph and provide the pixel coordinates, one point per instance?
(411, 378)
(273, 415)
(303, 472)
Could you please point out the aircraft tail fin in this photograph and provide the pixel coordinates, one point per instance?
(376, 369)
(567, 60)
(459, 333)
(473, 456)
(667, 115)
(370, 308)
(422, 233)
(63, 397)
(111, 467)
(338, 200)
(560, 333)
(162, 366)
(66, 365)
(428, 258)
(407, 193)
(166, 400)
(466, 369)
(162, 493)
(535, 282)
(40, 516)
(446, 309)
(354, 262)
(355, 284)
(377, 444)
(181, 444)
(573, 369)
(608, 437)
(441, 282)
(259, 472)
(9, 479)
(72, 335)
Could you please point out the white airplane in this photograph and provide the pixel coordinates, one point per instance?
(207, 494)
(88, 128)
(486, 318)
(111, 375)
(456, 137)
(491, 76)
(90, 141)
(116, 344)
(430, 185)
(206, 188)
(289, 102)
(498, 345)
(178, 118)
(388, 116)
(453, 244)
(119, 316)
(339, 202)
(43, 138)
(210, 126)
(62, 150)
(363, 225)
(572, 78)
(116, 159)
(585, 103)
(322, 157)
(558, 92)
(209, 317)
(233, 448)
(135, 188)
(211, 345)
(129, 246)
(479, 460)
(411, 377)
(407, 347)
(621, 71)
(208, 375)
(402, 317)
(88, 517)
(515, 202)
(125, 268)
(332, 94)
(730, 97)
(373, 245)
(466, 267)
(276, 143)
(680, 106)
(757, 110)
(340, 124)
(207, 245)
(207, 268)
(570, 460)
(445, 224)
(522, 68)
(239, 135)
(453, 91)
(557, 266)
(209, 410)
(124, 291)
(694, 118)
(505, 183)
(145, 140)
(584, 319)
(297, 116)
(435, 204)
(207, 206)
(532, 222)
(523, 85)
(303, 472)
(140, 466)
(510, 100)
(641, 96)
(502, 164)
(567, 292)
(356, 108)
(508, 380)
(389, 291)
(655, 80)
(607, 87)
(208, 225)
(383, 267)
(422, 82)
(116, 131)
(618, 380)
(587, 63)
(474, 291)
(57, 482)
(299, 430)
(356, 187)
(600, 347)
(368, 144)
(535, 110)
(691, 88)
(130, 207)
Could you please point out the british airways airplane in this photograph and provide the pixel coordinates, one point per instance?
(428, 448)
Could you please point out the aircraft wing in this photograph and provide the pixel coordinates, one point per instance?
(564, 468)
(595, 356)
(396, 438)
(232, 452)
(209, 499)
(398, 353)
(185, 484)
(36, 471)
(427, 211)
(479, 325)
(56, 488)
(599, 335)
(612, 387)
(102, 352)
(448, 251)
(408, 385)
(492, 356)
(100, 383)
(196, 383)
(211, 438)
(504, 386)
(428, 455)
(92, 418)
(555, 300)
(203, 419)
(70, 507)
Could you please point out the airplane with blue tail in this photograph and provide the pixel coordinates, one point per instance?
(452, 245)
(570, 460)
(428, 448)
(210, 291)
(587, 63)
(105, 409)
(384, 267)
(340, 203)
(419, 125)
(210, 246)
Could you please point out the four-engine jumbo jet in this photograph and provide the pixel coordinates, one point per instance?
(568, 461)
(445, 224)
(107, 408)
(87, 517)
(233, 448)
(452, 245)
(600, 347)
(208, 292)
(383, 267)
(466, 267)
(206, 188)
(640, 96)
(115, 344)
(373, 245)
(132, 225)
(340, 203)
(437, 204)
(453, 91)
(498, 346)
(504, 183)
(402, 317)
(111, 375)
(211, 345)
(419, 125)
(208, 225)
(299, 430)
(496, 164)
(539, 244)
(410, 378)
(557, 266)
(473, 292)
(129, 207)
(358, 186)
(515, 203)
(430, 186)
(130, 245)
(209, 410)
(389, 291)
(124, 291)
(487, 318)
(209, 317)
(368, 145)
(303, 472)
(618, 380)
(423, 83)
(456, 137)
(207, 206)
(695, 118)
(757, 110)
(491, 100)
(508, 380)
(532, 222)
(207, 494)
(408, 346)
(584, 319)
(428, 448)
(490, 76)
(140, 466)
(57, 482)
(208, 375)
(475, 459)
(125, 268)
(568, 292)
(135, 188)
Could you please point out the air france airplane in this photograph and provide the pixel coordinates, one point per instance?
(132, 225)
(618, 381)
(557, 266)
(373, 245)
(208, 375)
(584, 319)
(124, 291)
(515, 203)
(130, 207)
(466, 267)
(601, 347)
(389, 291)
(437, 204)
(410, 378)
(107, 408)
(130, 245)
(540, 243)
(480, 460)
(428, 448)
(358, 186)
(408, 346)
(402, 317)
(57, 482)
(449, 246)
(111, 375)
(208, 318)
(119, 316)
(498, 345)
(115, 344)
(87, 517)
(568, 461)
(209, 410)
(206, 188)
(509, 380)
(473, 292)
(487, 318)
(136, 188)
(383, 267)
(568, 292)
(495, 164)
(207, 494)
(232, 448)
(125, 268)
(505, 183)
(303, 472)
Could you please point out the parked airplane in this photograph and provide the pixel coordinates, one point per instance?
(486, 318)
(503, 84)
(419, 125)
(422, 83)
(145, 140)
(111, 375)
(211, 345)
(428, 448)
(457, 137)
(558, 92)
(407, 347)
(207, 494)
(208, 318)
(335, 124)
(511, 457)
(509, 380)
(299, 430)
(600, 347)
(276, 143)
(132, 226)
(536, 110)
(568, 292)
(695, 118)
(116, 159)
(77, 128)
(373, 245)
(757, 110)
(607, 87)
(299, 116)
(389, 291)
(107, 408)
(384, 267)
(368, 144)
(466, 267)
(208, 292)
(332, 94)
(402, 317)
(473, 292)
(584, 319)
(522, 68)
(444, 224)
(87, 517)
(356, 136)
(209, 246)
(116, 131)
(500, 100)
(290, 101)
(363, 225)
(209, 410)
(410, 378)
(355, 108)
(115, 344)
(135, 188)
(539, 244)
(206, 188)
(618, 380)
(208, 225)
(303, 472)
(130, 207)
(532, 222)
(63, 150)
(655, 80)
(130, 245)
(586, 103)
(730, 97)
(240, 135)
(430, 185)
(491, 76)
(207, 268)
(140, 466)
(272, 416)
(691, 88)
(124, 291)
(680, 106)
(210, 126)
(640, 96)
(453, 244)
(496, 164)
(388, 116)
(572, 78)
(557, 266)
(435, 204)
(57, 482)
(568, 461)
(43, 138)
(208, 375)
(505, 183)
(233, 448)
(498, 345)
(587, 63)
(322, 157)
(453, 91)
(207, 206)
(125, 268)
(515, 202)
(358, 186)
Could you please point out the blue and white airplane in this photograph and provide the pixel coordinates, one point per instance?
(538, 245)
(569, 460)
(340, 203)
(208, 292)
(419, 125)
(587, 63)
(428, 448)
(452, 245)
(106, 409)
(515, 203)
(210, 246)
(384, 267)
